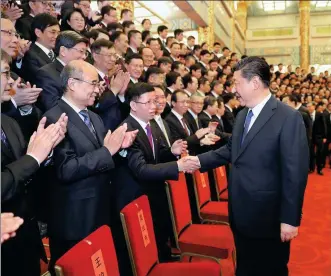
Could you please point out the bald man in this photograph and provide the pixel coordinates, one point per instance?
(83, 162)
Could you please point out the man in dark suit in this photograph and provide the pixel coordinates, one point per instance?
(269, 174)
(20, 165)
(23, 25)
(146, 160)
(327, 152)
(134, 38)
(228, 117)
(45, 29)
(192, 115)
(83, 162)
(69, 46)
(162, 31)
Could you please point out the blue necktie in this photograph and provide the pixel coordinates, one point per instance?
(4, 138)
(87, 122)
(246, 126)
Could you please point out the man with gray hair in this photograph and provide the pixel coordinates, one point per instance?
(69, 46)
(83, 162)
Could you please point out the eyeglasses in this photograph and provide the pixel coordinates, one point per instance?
(93, 83)
(150, 102)
(83, 52)
(7, 74)
(114, 56)
(11, 33)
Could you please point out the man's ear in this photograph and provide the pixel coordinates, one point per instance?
(38, 33)
(133, 105)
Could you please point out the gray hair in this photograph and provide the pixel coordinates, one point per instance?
(70, 71)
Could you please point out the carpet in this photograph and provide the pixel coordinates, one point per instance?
(311, 250)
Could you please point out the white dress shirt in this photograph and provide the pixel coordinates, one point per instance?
(44, 49)
(159, 121)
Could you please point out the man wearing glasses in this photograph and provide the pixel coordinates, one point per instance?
(69, 46)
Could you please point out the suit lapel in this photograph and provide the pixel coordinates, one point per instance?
(97, 127)
(41, 54)
(266, 113)
(13, 143)
(78, 122)
(58, 66)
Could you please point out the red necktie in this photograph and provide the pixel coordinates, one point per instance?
(185, 127)
(106, 80)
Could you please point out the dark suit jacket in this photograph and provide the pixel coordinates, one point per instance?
(80, 195)
(23, 27)
(178, 132)
(327, 115)
(319, 127)
(129, 52)
(33, 60)
(140, 172)
(166, 111)
(307, 120)
(192, 123)
(269, 173)
(167, 129)
(48, 78)
(228, 120)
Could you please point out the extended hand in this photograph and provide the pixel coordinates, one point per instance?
(23, 47)
(129, 137)
(113, 141)
(202, 132)
(9, 224)
(213, 137)
(179, 147)
(206, 141)
(25, 94)
(188, 164)
(288, 232)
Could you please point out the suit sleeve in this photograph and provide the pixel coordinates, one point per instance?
(294, 158)
(71, 168)
(214, 159)
(30, 67)
(150, 172)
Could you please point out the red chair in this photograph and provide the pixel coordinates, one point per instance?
(139, 234)
(209, 211)
(201, 240)
(94, 255)
(221, 183)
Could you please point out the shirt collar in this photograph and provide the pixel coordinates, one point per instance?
(229, 108)
(32, 15)
(214, 94)
(102, 74)
(258, 108)
(133, 49)
(133, 80)
(141, 123)
(195, 116)
(59, 60)
(180, 117)
(298, 106)
(74, 107)
(188, 92)
(207, 114)
(171, 89)
(43, 48)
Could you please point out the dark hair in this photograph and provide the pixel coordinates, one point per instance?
(175, 93)
(106, 9)
(144, 20)
(215, 59)
(163, 60)
(137, 90)
(227, 84)
(233, 54)
(187, 79)
(153, 70)
(294, 98)
(95, 33)
(203, 44)
(195, 67)
(228, 97)
(214, 83)
(64, 23)
(245, 56)
(68, 39)
(145, 34)
(204, 52)
(225, 48)
(161, 28)
(220, 100)
(191, 37)
(217, 44)
(254, 66)
(196, 48)
(128, 58)
(208, 101)
(101, 43)
(174, 43)
(171, 78)
(126, 24)
(178, 32)
(132, 33)
(41, 22)
(202, 81)
(124, 11)
(175, 65)
(115, 35)
(148, 42)
(168, 39)
(112, 27)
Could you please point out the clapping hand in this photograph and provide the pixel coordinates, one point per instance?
(288, 232)
(202, 132)
(63, 122)
(23, 47)
(9, 225)
(188, 164)
(113, 141)
(179, 147)
(207, 141)
(12, 11)
(129, 137)
(24, 93)
(213, 137)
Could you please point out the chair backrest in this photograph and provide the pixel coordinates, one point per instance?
(139, 234)
(221, 179)
(94, 255)
(201, 188)
(179, 203)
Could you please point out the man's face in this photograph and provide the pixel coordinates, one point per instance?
(182, 104)
(217, 49)
(145, 106)
(148, 57)
(48, 37)
(85, 7)
(156, 79)
(122, 43)
(226, 53)
(205, 58)
(166, 67)
(218, 88)
(9, 37)
(244, 88)
(127, 16)
(193, 87)
(205, 88)
(212, 109)
(227, 70)
(178, 84)
(180, 37)
(38, 7)
(106, 59)
(147, 25)
(196, 104)
(189, 62)
(131, 27)
(221, 109)
(211, 75)
(155, 46)
(213, 65)
(164, 33)
(273, 85)
(78, 52)
(175, 50)
(191, 42)
(160, 100)
(181, 70)
(197, 74)
(136, 40)
(111, 17)
(6, 81)
(135, 68)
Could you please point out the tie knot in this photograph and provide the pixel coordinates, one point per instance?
(250, 113)
(84, 113)
(148, 129)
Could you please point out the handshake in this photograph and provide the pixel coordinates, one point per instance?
(188, 164)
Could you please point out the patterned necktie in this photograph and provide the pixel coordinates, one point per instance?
(107, 80)
(51, 55)
(185, 127)
(247, 123)
(87, 122)
(4, 138)
(149, 135)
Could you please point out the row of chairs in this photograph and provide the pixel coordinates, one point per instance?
(210, 240)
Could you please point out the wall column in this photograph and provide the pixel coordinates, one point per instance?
(120, 5)
(206, 34)
(233, 27)
(304, 10)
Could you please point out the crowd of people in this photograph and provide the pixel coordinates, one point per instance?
(96, 113)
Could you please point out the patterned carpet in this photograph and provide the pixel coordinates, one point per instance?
(311, 250)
